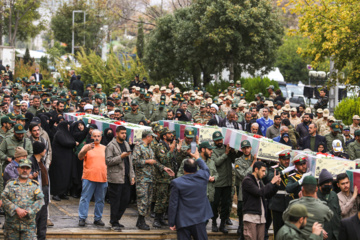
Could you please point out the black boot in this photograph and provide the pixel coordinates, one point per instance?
(142, 224)
(222, 227)
(137, 222)
(161, 219)
(214, 227)
(157, 222)
(228, 222)
(152, 213)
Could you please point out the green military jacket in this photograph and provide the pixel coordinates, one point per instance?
(322, 213)
(159, 115)
(144, 172)
(293, 187)
(223, 163)
(290, 231)
(192, 109)
(8, 146)
(173, 107)
(134, 117)
(4, 135)
(33, 110)
(333, 226)
(202, 118)
(62, 89)
(354, 150)
(242, 168)
(154, 144)
(241, 116)
(182, 154)
(167, 158)
(147, 108)
(22, 195)
(330, 138)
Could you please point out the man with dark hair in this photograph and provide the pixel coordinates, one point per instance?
(323, 100)
(6, 125)
(246, 123)
(170, 115)
(274, 130)
(189, 207)
(322, 213)
(313, 140)
(349, 228)
(326, 194)
(293, 186)
(121, 176)
(36, 105)
(334, 135)
(303, 128)
(254, 194)
(77, 85)
(265, 122)
(298, 215)
(348, 200)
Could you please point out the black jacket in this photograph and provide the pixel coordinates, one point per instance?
(252, 194)
(305, 142)
(302, 130)
(78, 86)
(349, 228)
(40, 76)
(223, 124)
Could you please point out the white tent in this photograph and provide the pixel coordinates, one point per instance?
(33, 54)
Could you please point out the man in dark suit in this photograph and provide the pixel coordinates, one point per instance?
(349, 228)
(189, 207)
(77, 85)
(246, 123)
(37, 75)
(73, 76)
(313, 140)
(303, 128)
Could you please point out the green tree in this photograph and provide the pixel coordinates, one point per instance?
(290, 63)
(19, 17)
(61, 25)
(27, 59)
(140, 41)
(346, 109)
(44, 63)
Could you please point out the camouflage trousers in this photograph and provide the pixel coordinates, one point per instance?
(144, 192)
(153, 200)
(162, 197)
(14, 231)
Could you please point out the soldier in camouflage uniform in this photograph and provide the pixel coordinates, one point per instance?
(164, 154)
(160, 112)
(354, 147)
(22, 199)
(191, 107)
(99, 103)
(144, 164)
(202, 117)
(135, 116)
(182, 153)
(174, 105)
(147, 107)
(243, 166)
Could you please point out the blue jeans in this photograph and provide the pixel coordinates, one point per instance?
(89, 188)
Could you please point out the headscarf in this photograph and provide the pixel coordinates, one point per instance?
(183, 116)
(107, 138)
(63, 135)
(283, 141)
(78, 135)
(29, 116)
(44, 123)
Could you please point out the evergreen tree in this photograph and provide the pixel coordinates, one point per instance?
(27, 59)
(140, 41)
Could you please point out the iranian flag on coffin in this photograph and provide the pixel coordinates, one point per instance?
(268, 149)
(334, 166)
(354, 176)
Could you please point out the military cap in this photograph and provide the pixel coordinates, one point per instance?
(231, 81)
(17, 96)
(16, 103)
(51, 86)
(63, 94)
(182, 99)
(356, 117)
(73, 92)
(127, 109)
(60, 80)
(54, 97)
(234, 105)
(245, 143)
(300, 159)
(6, 119)
(33, 88)
(18, 128)
(335, 127)
(192, 99)
(189, 133)
(47, 101)
(356, 133)
(45, 94)
(148, 133)
(174, 98)
(98, 86)
(162, 103)
(110, 104)
(54, 90)
(206, 145)
(196, 88)
(16, 86)
(270, 87)
(21, 117)
(346, 128)
(11, 115)
(142, 91)
(25, 163)
(163, 97)
(219, 90)
(147, 95)
(164, 131)
(217, 136)
(286, 154)
(299, 210)
(98, 96)
(77, 98)
(134, 102)
(309, 180)
(124, 104)
(238, 82)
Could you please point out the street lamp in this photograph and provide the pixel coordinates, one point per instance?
(73, 30)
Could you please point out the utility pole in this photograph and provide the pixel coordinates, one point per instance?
(334, 90)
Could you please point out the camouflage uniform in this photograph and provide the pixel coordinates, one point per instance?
(202, 118)
(144, 176)
(27, 196)
(62, 89)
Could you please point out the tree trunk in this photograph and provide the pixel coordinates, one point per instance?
(231, 69)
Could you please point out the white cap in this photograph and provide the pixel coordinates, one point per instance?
(214, 106)
(337, 146)
(156, 86)
(163, 88)
(326, 112)
(111, 113)
(88, 106)
(23, 102)
(168, 91)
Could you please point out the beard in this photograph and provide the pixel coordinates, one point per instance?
(206, 155)
(24, 176)
(219, 145)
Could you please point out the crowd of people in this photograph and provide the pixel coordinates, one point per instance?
(44, 155)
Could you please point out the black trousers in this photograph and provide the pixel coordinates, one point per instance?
(277, 221)
(198, 232)
(42, 216)
(119, 196)
(221, 197)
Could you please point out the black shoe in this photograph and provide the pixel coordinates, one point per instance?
(162, 222)
(107, 201)
(228, 222)
(152, 215)
(223, 228)
(137, 222)
(157, 223)
(82, 222)
(64, 197)
(56, 198)
(75, 196)
(116, 227)
(214, 227)
(99, 223)
(121, 225)
(165, 216)
(142, 224)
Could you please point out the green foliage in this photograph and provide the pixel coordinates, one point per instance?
(291, 64)
(346, 109)
(140, 41)
(44, 62)
(61, 25)
(257, 85)
(27, 59)
(112, 71)
(209, 36)
(55, 52)
(26, 70)
(213, 88)
(46, 83)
